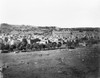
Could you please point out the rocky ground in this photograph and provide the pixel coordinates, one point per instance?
(61, 63)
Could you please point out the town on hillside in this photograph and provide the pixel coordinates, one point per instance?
(26, 38)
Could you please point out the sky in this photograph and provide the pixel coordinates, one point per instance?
(61, 13)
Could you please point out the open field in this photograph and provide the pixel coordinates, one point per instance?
(61, 63)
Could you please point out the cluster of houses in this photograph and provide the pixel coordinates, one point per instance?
(9, 43)
(31, 42)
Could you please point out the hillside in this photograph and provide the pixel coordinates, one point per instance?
(47, 31)
(61, 63)
(10, 29)
(78, 62)
(4, 27)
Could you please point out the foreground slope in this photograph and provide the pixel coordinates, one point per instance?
(61, 63)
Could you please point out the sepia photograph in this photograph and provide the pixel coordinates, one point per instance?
(49, 38)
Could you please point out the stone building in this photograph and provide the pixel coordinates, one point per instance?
(61, 34)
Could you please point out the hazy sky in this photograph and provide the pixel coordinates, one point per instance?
(61, 13)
